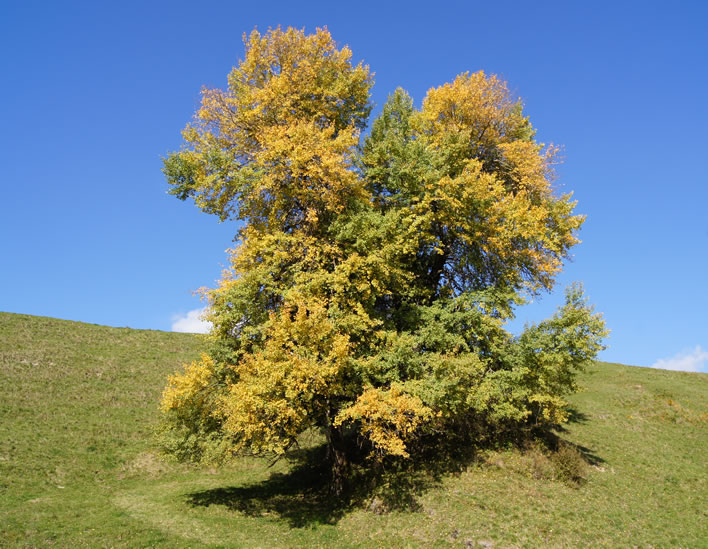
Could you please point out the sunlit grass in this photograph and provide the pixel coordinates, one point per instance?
(78, 467)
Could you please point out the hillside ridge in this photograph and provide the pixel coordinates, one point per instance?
(79, 467)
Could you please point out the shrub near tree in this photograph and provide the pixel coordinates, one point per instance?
(368, 294)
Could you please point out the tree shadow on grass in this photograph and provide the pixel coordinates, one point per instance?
(578, 417)
(302, 496)
(588, 454)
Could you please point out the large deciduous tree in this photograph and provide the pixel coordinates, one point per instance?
(369, 290)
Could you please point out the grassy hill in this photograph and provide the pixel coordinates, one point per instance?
(77, 466)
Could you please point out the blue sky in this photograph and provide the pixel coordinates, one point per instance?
(95, 93)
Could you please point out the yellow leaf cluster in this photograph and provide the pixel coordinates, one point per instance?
(189, 390)
(388, 418)
(552, 409)
(477, 105)
(493, 190)
(281, 388)
(292, 114)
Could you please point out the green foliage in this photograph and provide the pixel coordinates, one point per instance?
(371, 284)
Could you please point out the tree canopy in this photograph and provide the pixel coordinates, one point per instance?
(374, 274)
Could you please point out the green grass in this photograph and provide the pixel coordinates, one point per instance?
(77, 465)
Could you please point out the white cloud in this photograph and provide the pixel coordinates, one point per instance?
(191, 322)
(692, 360)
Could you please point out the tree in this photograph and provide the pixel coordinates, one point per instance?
(368, 294)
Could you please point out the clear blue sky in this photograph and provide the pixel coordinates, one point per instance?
(93, 93)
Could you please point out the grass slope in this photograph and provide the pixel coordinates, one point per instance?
(77, 468)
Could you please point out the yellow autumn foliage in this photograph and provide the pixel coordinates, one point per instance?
(292, 112)
(189, 390)
(283, 388)
(387, 417)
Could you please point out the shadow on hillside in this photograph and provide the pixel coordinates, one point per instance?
(302, 496)
(575, 416)
(590, 457)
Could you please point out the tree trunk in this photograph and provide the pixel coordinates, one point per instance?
(337, 457)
